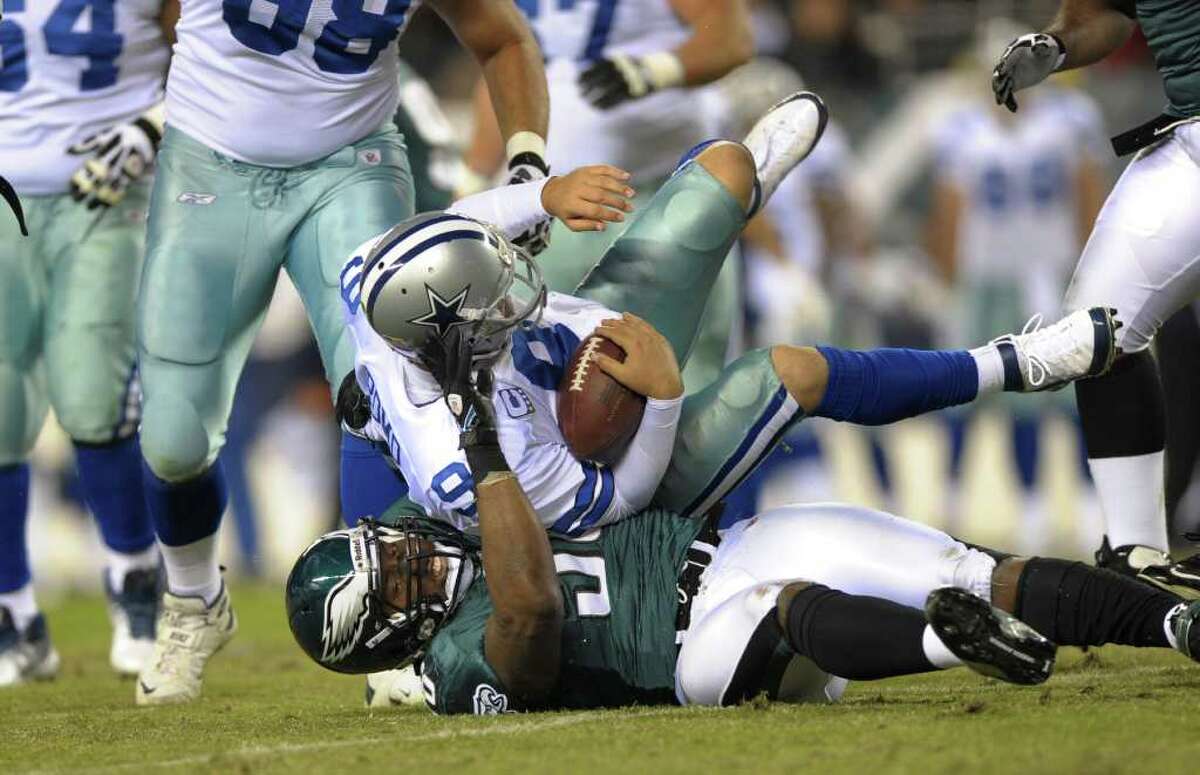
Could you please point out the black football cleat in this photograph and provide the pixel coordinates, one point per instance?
(1186, 628)
(990, 641)
(1181, 578)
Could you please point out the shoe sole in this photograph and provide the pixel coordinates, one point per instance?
(970, 628)
(822, 116)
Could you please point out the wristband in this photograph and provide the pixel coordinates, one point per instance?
(1062, 51)
(663, 69)
(525, 142)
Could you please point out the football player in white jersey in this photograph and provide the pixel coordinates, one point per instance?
(279, 153)
(81, 87)
(444, 274)
(1033, 179)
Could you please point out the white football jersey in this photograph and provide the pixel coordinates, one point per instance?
(645, 136)
(409, 415)
(285, 82)
(69, 69)
(1017, 174)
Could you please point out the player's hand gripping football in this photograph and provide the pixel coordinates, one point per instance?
(649, 368)
(449, 359)
(588, 198)
(118, 156)
(1028, 60)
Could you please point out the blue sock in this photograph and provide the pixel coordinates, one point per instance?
(369, 484)
(14, 513)
(111, 475)
(186, 512)
(877, 387)
(1025, 447)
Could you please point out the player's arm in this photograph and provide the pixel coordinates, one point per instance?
(586, 199)
(721, 40)
(168, 17)
(941, 230)
(500, 39)
(522, 635)
(1083, 32)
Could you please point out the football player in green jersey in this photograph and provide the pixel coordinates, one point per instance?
(1143, 259)
(658, 609)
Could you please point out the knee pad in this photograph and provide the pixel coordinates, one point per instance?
(1124, 412)
(22, 412)
(176, 445)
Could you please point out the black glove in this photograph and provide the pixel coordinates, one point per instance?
(352, 407)
(523, 168)
(449, 359)
(10, 196)
(1028, 60)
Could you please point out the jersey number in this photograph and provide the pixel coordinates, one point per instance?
(101, 44)
(349, 43)
(602, 22)
(585, 578)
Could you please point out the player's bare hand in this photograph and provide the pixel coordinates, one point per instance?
(589, 198)
(649, 368)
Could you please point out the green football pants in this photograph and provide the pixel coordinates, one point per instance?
(67, 322)
(220, 230)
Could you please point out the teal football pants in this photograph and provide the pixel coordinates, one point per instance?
(66, 320)
(220, 230)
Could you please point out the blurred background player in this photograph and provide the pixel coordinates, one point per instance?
(240, 196)
(77, 89)
(1143, 258)
(1014, 198)
(623, 81)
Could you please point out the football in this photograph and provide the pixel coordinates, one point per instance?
(597, 414)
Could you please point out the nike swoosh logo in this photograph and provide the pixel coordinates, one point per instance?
(147, 689)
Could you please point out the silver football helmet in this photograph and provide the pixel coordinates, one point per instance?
(437, 271)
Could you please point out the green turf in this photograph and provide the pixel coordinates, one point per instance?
(266, 708)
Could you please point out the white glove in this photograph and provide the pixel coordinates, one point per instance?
(1028, 60)
(120, 155)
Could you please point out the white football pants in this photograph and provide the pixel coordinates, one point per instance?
(1143, 256)
(852, 549)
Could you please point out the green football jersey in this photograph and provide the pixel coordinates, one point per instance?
(620, 591)
(1172, 28)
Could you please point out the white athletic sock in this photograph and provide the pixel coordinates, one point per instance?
(192, 569)
(120, 563)
(991, 368)
(936, 652)
(21, 604)
(973, 572)
(1131, 497)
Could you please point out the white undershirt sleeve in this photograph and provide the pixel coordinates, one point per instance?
(513, 209)
(637, 474)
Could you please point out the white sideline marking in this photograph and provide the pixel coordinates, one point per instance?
(292, 748)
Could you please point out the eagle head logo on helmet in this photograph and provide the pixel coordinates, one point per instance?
(437, 271)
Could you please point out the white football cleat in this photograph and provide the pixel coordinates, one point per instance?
(25, 655)
(1083, 344)
(390, 688)
(132, 612)
(784, 137)
(188, 634)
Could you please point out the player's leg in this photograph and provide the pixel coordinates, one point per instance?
(675, 247)
(26, 652)
(214, 245)
(715, 331)
(726, 429)
(92, 386)
(1143, 258)
(359, 201)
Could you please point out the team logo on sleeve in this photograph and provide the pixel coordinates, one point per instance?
(515, 402)
(489, 701)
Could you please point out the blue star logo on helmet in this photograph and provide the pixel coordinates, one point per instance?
(443, 314)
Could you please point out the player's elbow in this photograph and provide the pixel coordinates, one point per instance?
(531, 616)
(740, 44)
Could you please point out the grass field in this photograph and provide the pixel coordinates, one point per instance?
(266, 708)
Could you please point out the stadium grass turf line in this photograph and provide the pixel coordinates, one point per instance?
(266, 708)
